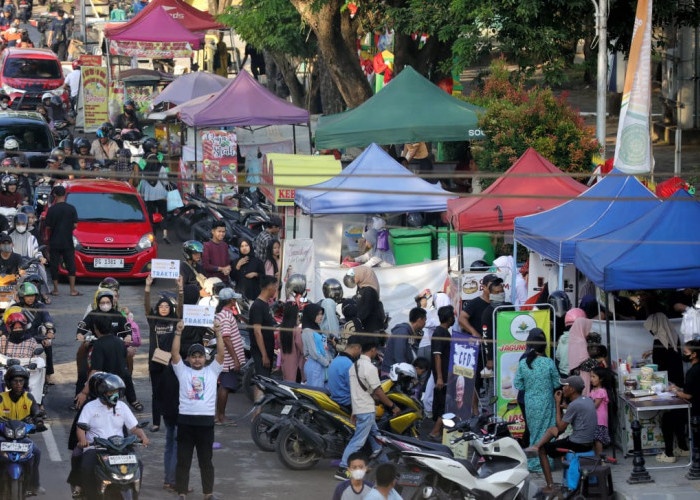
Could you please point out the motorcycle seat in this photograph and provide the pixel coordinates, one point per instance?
(425, 445)
(294, 385)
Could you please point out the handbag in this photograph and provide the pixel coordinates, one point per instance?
(174, 200)
(160, 356)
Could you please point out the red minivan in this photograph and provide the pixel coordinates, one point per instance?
(114, 236)
(26, 74)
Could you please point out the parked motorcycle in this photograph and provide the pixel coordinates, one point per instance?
(16, 457)
(118, 471)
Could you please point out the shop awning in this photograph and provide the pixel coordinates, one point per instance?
(282, 173)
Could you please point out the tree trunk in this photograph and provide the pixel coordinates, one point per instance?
(288, 70)
(331, 100)
(270, 72)
(424, 61)
(333, 33)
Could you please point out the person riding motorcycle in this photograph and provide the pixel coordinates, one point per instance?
(104, 148)
(103, 416)
(66, 145)
(40, 324)
(26, 245)
(10, 148)
(15, 343)
(9, 260)
(191, 270)
(10, 197)
(55, 108)
(32, 227)
(17, 403)
(129, 116)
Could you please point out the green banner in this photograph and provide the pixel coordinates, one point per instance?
(512, 329)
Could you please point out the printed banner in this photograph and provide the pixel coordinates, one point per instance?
(150, 50)
(633, 146)
(90, 60)
(298, 258)
(186, 177)
(219, 164)
(93, 82)
(473, 286)
(464, 353)
(512, 330)
(165, 268)
(198, 315)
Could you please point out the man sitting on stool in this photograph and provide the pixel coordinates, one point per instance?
(581, 414)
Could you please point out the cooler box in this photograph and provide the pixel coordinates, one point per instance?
(411, 246)
(469, 240)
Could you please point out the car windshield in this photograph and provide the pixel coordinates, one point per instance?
(32, 137)
(107, 207)
(23, 67)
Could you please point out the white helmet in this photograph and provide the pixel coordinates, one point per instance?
(47, 95)
(11, 142)
(398, 370)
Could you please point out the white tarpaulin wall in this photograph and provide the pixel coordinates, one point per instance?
(399, 284)
(545, 271)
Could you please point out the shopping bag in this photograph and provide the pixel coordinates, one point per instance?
(174, 200)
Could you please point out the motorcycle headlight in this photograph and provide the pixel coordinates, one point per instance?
(9, 433)
(20, 433)
(146, 241)
(76, 243)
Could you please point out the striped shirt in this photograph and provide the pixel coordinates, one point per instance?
(229, 328)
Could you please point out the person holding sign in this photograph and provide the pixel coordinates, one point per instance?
(195, 426)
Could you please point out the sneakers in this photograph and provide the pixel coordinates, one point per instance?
(662, 457)
(341, 474)
(677, 452)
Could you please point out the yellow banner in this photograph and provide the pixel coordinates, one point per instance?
(94, 86)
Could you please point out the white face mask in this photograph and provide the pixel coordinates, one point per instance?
(20, 229)
(498, 297)
(357, 474)
(3, 105)
(105, 307)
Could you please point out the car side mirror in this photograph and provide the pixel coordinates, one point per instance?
(157, 218)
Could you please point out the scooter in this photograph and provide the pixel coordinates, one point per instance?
(497, 468)
(16, 457)
(118, 471)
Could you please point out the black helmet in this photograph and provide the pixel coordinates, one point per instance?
(148, 144)
(349, 279)
(192, 246)
(20, 219)
(105, 130)
(95, 378)
(479, 265)
(296, 284)
(9, 180)
(56, 101)
(332, 289)
(110, 382)
(81, 142)
(561, 303)
(110, 284)
(414, 219)
(66, 143)
(101, 294)
(15, 371)
(129, 102)
(27, 209)
(124, 153)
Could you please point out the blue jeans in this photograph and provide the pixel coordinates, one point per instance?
(366, 427)
(170, 453)
(315, 373)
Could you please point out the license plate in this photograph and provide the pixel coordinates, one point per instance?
(122, 459)
(110, 263)
(410, 479)
(12, 446)
(286, 410)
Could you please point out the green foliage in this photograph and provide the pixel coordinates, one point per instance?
(273, 25)
(518, 118)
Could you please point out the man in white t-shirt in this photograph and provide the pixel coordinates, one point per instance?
(107, 416)
(195, 425)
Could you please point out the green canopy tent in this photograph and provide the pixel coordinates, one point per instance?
(409, 109)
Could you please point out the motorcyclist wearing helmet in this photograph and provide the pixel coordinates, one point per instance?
(10, 148)
(9, 259)
(31, 219)
(106, 416)
(40, 324)
(332, 296)
(83, 158)
(129, 119)
(27, 246)
(15, 341)
(191, 270)
(17, 403)
(104, 148)
(10, 197)
(66, 145)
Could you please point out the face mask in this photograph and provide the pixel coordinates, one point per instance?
(113, 398)
(6, 248)
(498, 297)
(686, 358)
(105, 307)
(20, 229)
(357, 474)
(3, 105)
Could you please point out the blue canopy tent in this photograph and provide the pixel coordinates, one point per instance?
(659, 250)
(373, 183)
(612, 203)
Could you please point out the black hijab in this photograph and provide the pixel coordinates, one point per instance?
(308, 316)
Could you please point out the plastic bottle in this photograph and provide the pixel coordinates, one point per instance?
(629, 362)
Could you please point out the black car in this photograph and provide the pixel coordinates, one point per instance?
(33, 133)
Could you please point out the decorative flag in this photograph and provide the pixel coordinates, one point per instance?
(633, 148)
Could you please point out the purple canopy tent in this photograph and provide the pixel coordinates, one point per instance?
(190, 86)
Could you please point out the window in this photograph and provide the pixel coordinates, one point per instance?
(107, 207)
(41, 69)
(31, 137)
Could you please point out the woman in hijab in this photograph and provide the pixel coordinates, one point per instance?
(369, 308)
(537, 377)
(248, 270)
(292, 345)
(578, 351)
(315, 346)
(374, 257)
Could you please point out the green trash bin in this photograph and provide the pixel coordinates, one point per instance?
(478, 240)
(411, 246)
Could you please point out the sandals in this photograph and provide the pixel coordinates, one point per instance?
(155, 428)
(136, 405)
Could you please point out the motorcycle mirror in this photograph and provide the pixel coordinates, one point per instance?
(12, 362)
(38, 351)
(31, 366)
(493, 400)
(85, 427)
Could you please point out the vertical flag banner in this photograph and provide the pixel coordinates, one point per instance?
(220, 164)
(633, 147)
(464, 354)
(512, 330)
(93, 81)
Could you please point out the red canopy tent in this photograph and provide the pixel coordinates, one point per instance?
(191, 18)
(520, 191)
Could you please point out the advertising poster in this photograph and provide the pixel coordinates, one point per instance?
(464, 353)
(473, 286)
(512, 330)
(219, 164)
(298, 258)
(94, 87)
(165, 268)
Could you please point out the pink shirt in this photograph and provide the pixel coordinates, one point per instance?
(602, 410)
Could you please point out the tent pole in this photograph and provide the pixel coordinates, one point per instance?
(195, 162)
(311, 227)
(294, 223)
(607, 324)
(311, 144)
(109, 67)
(449, 270)
(513, 292)
(560, 278)
(576, 273)
(294, 137)
(460, 249)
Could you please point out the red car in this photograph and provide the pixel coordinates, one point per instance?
(114, 236)
(26, 74)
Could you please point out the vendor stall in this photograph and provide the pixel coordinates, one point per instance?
(189, 86)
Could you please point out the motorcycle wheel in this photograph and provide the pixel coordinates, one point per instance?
(183, 228)
(293, 452)
(258, 431)
(17, 489)
(248, 384)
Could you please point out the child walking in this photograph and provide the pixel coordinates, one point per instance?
(602, 393)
